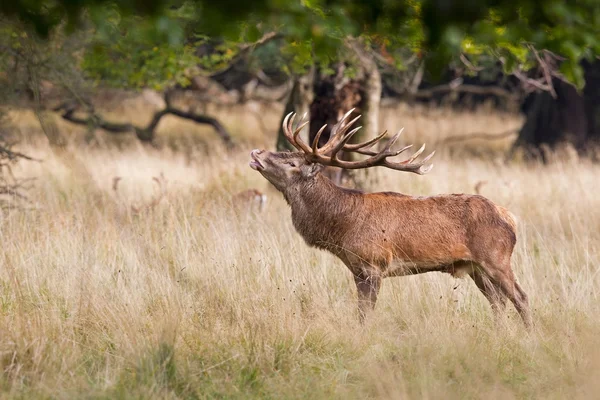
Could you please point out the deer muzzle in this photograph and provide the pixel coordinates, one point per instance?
(255, 164)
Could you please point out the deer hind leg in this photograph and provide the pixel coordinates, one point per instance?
(367, 286)
(504, 279)
(490, 290)
(518, 297)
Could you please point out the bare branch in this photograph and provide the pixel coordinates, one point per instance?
(145, 134)
(12, 188)
(546, 70)
(7, 153)
(246, 50)
(533, 82)
(417, 79)
(266, 38)
(469, 64)
(203, 119)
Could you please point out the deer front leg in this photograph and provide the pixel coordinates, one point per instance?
(367, 286)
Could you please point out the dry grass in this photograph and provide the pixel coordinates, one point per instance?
(191, 299)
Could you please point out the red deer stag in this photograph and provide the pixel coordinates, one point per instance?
(380, 235)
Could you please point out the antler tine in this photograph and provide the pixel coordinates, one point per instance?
(315, 144)
(392, 141)
(337, 132)
(402, 150)
(417, 154)
(285, 121)
(340, 123)
(302, 146)
(342, 142)
(428, 158)
(287, 130)
(292, 134)
(418, 168)
(360, 147)
(291, 121)
(424, 169)
(385, 152)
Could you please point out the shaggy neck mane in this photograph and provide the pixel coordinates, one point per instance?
(321, 211)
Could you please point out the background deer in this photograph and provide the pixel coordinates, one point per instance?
(250, 200)
(140, 207)
(380, 235)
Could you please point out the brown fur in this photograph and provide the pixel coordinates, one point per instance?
(508, 217)
(379, 235)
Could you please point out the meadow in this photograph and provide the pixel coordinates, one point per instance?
(161, 287)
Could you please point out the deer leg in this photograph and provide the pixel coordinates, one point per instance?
(517, 296)
(491, 291)
(367, 286)
(504, 279)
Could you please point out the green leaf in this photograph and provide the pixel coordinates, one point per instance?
(573, 72)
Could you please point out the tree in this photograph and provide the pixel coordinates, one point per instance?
(549, 45)
(562, 115)
(52, 66)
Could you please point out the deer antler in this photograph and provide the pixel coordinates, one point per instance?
(338, 141)
(156, 198)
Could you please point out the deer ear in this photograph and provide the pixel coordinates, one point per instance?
(313, 169)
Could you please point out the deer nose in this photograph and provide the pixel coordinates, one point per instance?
(256, 152)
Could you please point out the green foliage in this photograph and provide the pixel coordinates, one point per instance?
(568, 29)
(135, 51)
(28, 60)
(127, 32)
(139, 64)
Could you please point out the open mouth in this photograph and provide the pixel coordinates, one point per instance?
(255, 164)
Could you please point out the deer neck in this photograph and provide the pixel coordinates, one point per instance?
(321, 211)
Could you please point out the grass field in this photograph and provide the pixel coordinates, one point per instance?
(191, 297)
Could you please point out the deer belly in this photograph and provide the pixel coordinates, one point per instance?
(403, 267)
(458, 268)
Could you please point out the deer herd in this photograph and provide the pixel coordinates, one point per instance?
(387, 234)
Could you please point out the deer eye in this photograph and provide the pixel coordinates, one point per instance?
(293, 164)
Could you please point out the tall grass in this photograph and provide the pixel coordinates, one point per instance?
(195, 298)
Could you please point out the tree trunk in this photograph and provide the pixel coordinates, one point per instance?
(591, 94)
(571, 118)
(300, 99)
(370, 96)
(46, 120)
(334, 96)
